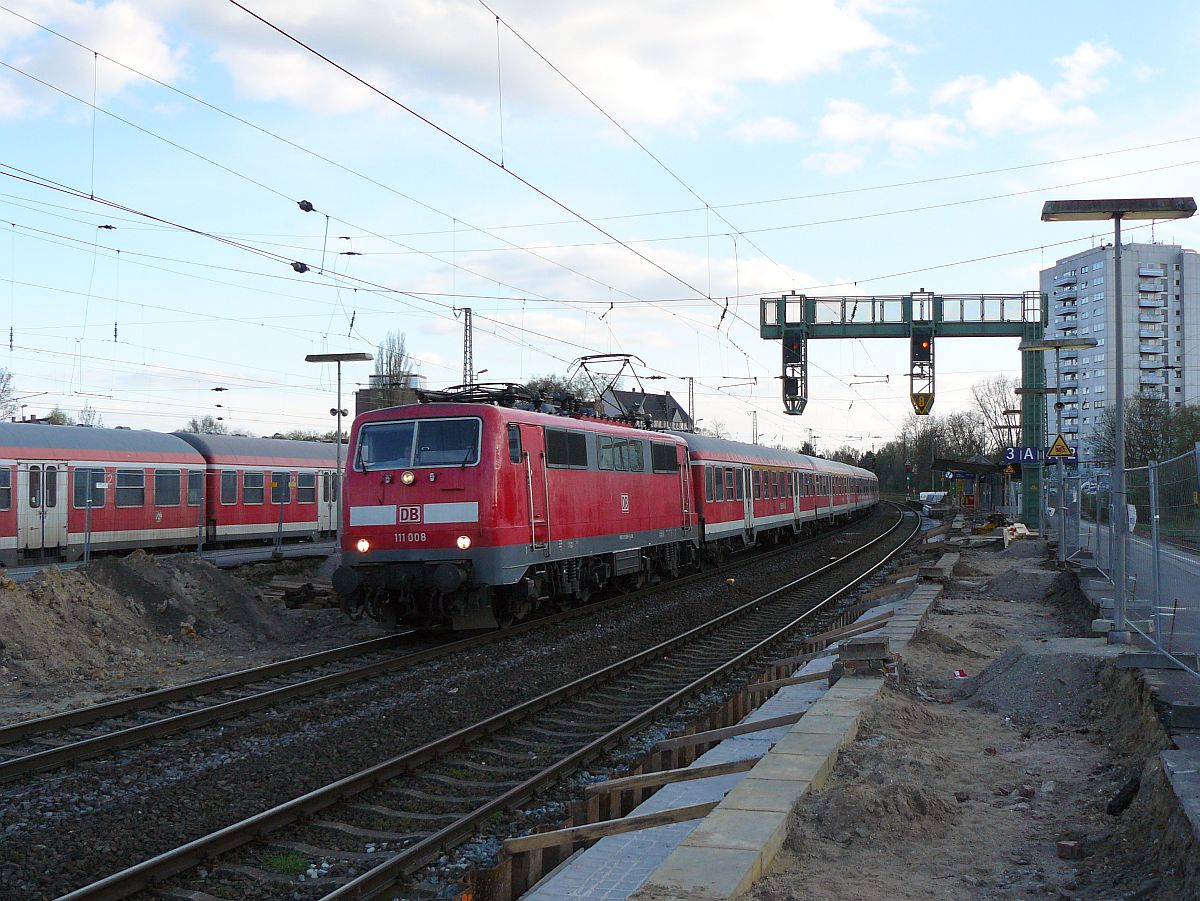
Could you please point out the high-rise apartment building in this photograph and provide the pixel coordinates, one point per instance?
(1160, 309)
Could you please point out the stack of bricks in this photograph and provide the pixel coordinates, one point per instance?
(866, 655)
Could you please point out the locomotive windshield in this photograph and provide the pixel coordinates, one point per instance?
(418, 442)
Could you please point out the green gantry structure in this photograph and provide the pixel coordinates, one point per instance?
(922, 317)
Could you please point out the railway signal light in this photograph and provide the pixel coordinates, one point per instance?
(921, 345)
(793, 351)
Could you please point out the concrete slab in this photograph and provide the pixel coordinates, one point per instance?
(1183, 772)
(813, 744)
(747, 830)
(704, 873)
(834, 725)
(757, 793)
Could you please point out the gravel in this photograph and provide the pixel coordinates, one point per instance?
(65, 828)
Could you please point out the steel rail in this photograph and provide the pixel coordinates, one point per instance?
(143, 875)
(85, 749)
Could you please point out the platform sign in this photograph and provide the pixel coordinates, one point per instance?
(1022, 455)
(922, 403)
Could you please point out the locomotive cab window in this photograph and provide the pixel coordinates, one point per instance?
(130, 488)
(82, 479)
(514, 443)
(420, 442)
(166, 487)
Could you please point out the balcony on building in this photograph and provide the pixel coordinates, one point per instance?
(1152, 318)
(1149, 378)
(1152, 287)
(1070, 414)
(1151, 347)
(1151, 364)
(1070, 369)
(1150, 333)
(1061, 295)
(1151, 271)
(1069, 329)
(1065, 278)
(1151, 303)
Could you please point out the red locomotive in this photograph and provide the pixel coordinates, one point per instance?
(63, 486)
(471, 515)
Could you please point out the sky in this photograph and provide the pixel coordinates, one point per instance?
(604, 178)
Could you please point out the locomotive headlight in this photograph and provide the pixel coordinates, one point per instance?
(363, 545)
(407, 477)
(464, 542)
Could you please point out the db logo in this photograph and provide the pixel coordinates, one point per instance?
(624, 503)
(408, 514)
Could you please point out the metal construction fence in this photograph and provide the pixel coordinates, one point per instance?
(1162, 541)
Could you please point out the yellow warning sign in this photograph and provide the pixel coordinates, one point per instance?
(1010, 470)
(1060, 448)
(922, 403)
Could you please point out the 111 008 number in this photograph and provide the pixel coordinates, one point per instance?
(402, 537)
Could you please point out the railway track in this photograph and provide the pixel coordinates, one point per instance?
(392, 818)
(54, 741)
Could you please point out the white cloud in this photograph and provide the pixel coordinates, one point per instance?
(1022, 103)
(126, 31)
(837, 162)
(849, 122)
(769, 128)
(658, 63)
(900, 83)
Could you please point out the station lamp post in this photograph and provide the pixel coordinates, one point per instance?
(339, 413)
(1058, 345)
(1117, 210)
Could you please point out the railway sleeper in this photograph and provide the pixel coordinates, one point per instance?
(312, 851)
(441, 819)
(268, 878)
(381, 835)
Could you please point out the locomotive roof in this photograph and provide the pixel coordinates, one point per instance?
(244, 449)
(705, 444)
(29, 436)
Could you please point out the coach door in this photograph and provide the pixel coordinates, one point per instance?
(537, 485)
(42, 509)
(747, 494)
(327, 508)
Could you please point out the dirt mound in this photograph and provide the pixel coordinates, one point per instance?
(1026, 585)
(889, 787)
(932, 638)
(1032, 688)
(115, 615)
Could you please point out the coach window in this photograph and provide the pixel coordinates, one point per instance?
(195, 487)
(5, 488)
(166, 487)
(514, 443)
(757, 484)
(252, 487)
(708, 484)
(80, 479)
(733, 490)
(306, 488)
(281, 488)
(228, 486)
(131, 488)
(51, 486)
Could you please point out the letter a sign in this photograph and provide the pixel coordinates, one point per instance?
(1060, 448)
(922, 403)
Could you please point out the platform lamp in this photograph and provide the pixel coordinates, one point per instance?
(1117, 210)
(339, 413)
(1058, 345)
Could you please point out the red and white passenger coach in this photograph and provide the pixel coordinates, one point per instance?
(61, 486)
(471, 514)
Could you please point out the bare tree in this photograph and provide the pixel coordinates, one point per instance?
(552, 387)
(992, 397)
(90, 416)
(206, 425)
(393, 365)
(8, 403)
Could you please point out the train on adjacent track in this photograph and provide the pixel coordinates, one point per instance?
(472, 515)
(62, 487)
